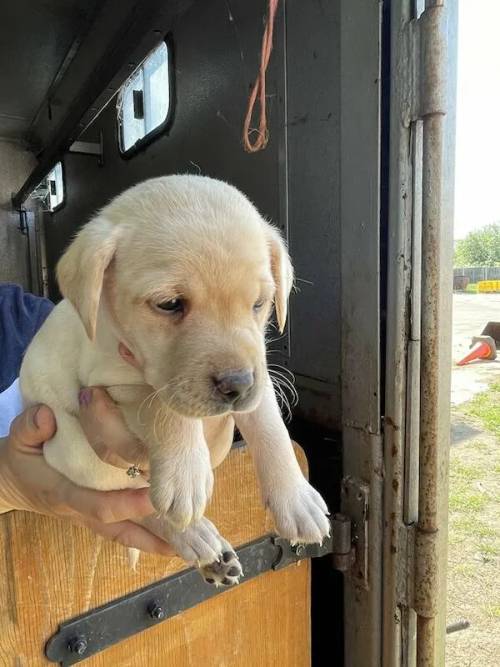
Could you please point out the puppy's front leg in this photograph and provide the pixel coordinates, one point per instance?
(201, 545)
(181, 473)
(298, 509)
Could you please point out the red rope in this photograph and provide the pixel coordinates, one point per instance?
(259, 89)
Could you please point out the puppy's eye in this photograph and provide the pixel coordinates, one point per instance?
(172, 306)
(258, 305)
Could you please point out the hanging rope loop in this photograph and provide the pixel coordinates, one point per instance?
(259, 90)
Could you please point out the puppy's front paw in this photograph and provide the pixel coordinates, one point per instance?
(202, 544)
(299, 513)
(182, 492)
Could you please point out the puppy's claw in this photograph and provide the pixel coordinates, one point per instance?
(133, 556)
(202, 545)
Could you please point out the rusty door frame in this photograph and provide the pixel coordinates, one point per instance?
(416, 426)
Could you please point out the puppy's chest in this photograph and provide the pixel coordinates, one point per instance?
(136, 405)
(146, 417)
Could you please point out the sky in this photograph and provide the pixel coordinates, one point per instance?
(477, 179)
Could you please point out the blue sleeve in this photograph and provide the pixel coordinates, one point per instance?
(21, 315)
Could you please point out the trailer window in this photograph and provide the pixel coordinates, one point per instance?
(144, 100)
(50, 191)
(55, 183)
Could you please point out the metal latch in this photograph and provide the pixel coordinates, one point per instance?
(355, 496)
(338, 544)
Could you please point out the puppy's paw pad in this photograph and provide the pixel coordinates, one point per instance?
(224, 572)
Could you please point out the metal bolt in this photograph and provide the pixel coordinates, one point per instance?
(78, 645)
(456, 627)
(156, 612)
(298, 549)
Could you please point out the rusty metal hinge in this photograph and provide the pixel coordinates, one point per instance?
(423, 70)
(418, 557)
(427, 593)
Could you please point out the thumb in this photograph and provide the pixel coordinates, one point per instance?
(32, 428)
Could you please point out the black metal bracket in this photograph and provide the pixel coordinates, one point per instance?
(90, 633)
(90, 148)
(23, 222)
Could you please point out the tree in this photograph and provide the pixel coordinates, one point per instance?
(480, 248)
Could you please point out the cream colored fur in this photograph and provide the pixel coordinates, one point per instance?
(201, 240)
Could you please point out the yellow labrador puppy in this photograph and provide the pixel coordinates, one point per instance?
(167, 294)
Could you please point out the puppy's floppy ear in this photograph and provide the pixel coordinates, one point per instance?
(80, 271)
(282, 270)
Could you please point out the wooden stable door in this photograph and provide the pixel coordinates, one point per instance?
(53, 571)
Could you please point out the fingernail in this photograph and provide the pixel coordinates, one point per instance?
(84, 397)
(34, 416)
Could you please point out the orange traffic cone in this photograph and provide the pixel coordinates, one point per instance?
(483, 347)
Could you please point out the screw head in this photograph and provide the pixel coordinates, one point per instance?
(78, 645)
(156, 612)
(299, 549)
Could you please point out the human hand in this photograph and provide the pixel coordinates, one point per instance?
(106, 431)
(27, 482)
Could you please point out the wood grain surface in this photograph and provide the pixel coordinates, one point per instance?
(51, 571)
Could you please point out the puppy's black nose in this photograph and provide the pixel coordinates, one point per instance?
(232, 385)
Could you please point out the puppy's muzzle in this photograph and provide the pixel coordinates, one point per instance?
(233, 386)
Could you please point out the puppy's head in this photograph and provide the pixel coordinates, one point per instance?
(188, 271)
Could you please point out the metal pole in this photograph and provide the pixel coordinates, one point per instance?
(437, 243)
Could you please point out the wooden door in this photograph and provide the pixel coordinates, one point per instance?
(52, 571)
